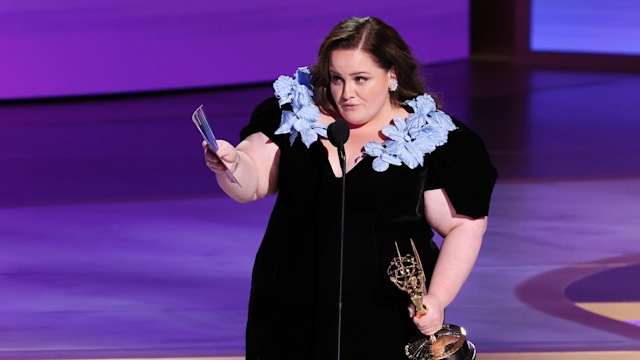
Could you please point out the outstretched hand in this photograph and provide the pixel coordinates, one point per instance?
(433, 321)
(227, 155)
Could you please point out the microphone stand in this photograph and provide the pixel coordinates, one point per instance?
(338, 134)
(343, 167)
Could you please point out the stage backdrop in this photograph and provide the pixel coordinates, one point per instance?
(586, 26)
(58, 48)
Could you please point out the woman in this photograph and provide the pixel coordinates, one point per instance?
(410, 168)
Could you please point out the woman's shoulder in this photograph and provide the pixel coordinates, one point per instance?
(463, 168)
(267, 108)
(265, 118)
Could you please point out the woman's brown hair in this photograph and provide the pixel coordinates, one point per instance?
(383, 43)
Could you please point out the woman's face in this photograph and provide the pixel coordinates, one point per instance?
(359, 87)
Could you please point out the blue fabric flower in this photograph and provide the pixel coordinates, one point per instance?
(410, 139)
(441, 119)
(284, 89)
(408, 142)
(422, 105)
(382, 160)
(304, 114)
(302, 77)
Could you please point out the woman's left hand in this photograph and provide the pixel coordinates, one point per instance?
(432, 322)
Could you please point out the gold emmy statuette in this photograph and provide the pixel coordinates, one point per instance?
(450, 342)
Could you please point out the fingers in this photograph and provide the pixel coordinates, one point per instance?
(224, 149)
(427, 324)
(219, 161)
(214, 163)
(211, 159)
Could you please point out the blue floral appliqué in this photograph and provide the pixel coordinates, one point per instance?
(424, 130)
(298, 92)
(408, 140)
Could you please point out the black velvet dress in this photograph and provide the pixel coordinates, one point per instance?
(293, 308)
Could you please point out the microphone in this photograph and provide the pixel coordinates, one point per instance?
(338, 134)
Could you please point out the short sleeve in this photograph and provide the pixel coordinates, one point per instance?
(266, 119)
(463, 169)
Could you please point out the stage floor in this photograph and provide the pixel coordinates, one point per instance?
(116, 242)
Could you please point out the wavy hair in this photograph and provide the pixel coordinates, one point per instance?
(387, 49)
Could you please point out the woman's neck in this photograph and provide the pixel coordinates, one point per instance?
(382, 119)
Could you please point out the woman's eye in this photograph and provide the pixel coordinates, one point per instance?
(336, 79)
(361, 79)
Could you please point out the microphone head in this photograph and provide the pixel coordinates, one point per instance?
(338, 132)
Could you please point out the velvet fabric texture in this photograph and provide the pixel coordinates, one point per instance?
(293, 308)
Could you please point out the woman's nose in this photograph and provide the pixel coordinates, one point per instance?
(347, 91)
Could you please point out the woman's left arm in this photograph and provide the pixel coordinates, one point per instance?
(462, 240)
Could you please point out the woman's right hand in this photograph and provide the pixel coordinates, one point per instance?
(253, 163)
(227, 155)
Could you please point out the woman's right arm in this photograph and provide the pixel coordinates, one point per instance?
(254, 163)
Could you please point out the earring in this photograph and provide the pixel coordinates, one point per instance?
(394, 85)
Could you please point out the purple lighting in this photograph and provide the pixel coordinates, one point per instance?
(68, 48)
(586, 26)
